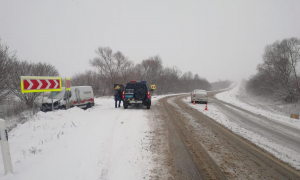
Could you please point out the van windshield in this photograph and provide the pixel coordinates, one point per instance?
(57, 94)
(203, 91)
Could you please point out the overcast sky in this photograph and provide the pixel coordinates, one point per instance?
(222, 39)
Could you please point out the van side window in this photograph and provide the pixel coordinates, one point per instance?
(68, 94)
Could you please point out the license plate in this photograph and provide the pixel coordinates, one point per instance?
(135, 101)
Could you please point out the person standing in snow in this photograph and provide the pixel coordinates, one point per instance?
(118, 96)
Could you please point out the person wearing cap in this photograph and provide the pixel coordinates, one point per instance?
(118, 96)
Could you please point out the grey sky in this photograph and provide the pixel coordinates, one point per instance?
(216, 39)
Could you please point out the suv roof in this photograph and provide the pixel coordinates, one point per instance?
(135, 82)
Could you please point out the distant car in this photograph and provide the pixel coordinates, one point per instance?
(199, 95)
(80, 96)
(136, 92)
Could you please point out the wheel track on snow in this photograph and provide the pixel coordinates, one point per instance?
(191, 160)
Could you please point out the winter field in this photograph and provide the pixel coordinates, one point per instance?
(108, 143)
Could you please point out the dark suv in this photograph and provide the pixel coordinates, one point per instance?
(136, 92)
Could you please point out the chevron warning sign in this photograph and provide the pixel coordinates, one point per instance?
(30, 84)
(68, 83)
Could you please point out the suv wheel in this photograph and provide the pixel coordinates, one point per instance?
(148, 107)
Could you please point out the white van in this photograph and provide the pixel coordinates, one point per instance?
(80, 96)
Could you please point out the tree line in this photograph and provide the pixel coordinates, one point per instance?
(108, 68)
(115, 68)
(278, 75)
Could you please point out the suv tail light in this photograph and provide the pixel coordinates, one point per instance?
(148, 95)
(123, 94)
(194, 95)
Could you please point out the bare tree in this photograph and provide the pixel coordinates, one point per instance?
(200, 83)
(278, 74)
(168, 81)
(291, 52)
(6, 59)
(90, 78)
(111, 66)
(150, 69)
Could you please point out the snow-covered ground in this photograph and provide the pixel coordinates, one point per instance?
(99, 143)
(231, 96)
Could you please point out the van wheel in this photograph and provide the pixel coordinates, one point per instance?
(63, 107)
(43, 109)
(88, 106)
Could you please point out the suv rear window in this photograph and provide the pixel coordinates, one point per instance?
(136, 86)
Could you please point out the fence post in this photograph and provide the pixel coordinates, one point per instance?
(5, 148)
(33, 104)
(52, 101)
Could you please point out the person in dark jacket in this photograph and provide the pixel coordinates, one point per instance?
(118, 96)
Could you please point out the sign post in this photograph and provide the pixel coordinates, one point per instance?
(32, 84)
(5, 148)
(52, 102)
(68, 87)
(33, 104)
